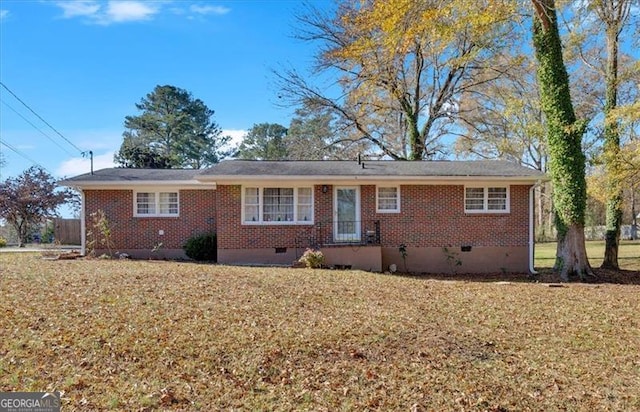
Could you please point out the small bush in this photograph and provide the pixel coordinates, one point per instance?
(312, 258)
(3, 242)
(99, 233)
(202, 247)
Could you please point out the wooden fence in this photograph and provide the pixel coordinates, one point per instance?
(67, 231)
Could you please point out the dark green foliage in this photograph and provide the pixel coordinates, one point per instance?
(564, 133)
(202, 247)
(134, 154)
(174, 130)
(264, 141)
(312, 136)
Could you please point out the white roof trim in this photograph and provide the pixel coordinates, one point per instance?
(119, 185)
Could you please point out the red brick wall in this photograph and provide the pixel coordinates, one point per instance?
(431, 216)
(232, 234)
(197, 215)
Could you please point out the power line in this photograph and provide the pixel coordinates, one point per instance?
(40, 117)
(19, 153)
(36, 127)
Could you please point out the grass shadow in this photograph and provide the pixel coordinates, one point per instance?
(544, 275)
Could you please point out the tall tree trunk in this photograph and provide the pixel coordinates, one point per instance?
(416, 144)
(634, 218)
(21, 231)
(572, 252)
(613, 14)
(611, 158)
(564, 136)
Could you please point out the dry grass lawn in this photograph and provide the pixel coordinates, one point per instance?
(141, 335)
(628, 259)
(628, 254)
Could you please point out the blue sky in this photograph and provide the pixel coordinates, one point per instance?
(82, 65)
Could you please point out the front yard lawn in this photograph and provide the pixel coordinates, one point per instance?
(628, 259)
(628, 254)
(144, 335)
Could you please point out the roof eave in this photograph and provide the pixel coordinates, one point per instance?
(125, 184)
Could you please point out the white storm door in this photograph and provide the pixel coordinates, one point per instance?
(346, 214)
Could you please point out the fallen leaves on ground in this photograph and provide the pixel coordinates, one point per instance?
(148, 335)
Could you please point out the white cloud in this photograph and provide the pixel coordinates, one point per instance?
(78, 8)
(236, 136)
(4, 14)
(121, 11)
(114, 11)
(80, 165)
(219, 10)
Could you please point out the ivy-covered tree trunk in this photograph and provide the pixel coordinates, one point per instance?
(613, 13)
(612, 151)
(634, 216)
(564, 139)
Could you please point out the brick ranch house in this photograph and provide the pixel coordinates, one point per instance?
(467, 216)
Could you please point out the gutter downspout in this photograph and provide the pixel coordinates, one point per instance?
(532, 270)
(83, 226)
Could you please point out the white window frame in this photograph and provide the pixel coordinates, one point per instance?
(156, 199)
(485, 199)
(296, 219)
(397, 209)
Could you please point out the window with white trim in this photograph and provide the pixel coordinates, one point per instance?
(305, 204)
(252, 204)
(388, 199)
(277, 205)
(489, 199)
(156, 204)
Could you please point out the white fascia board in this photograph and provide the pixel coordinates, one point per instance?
(122, 185)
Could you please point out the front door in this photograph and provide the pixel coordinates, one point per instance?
(346, 214)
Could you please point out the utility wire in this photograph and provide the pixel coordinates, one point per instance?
(40, 117)
(19, 153)
(36, 127)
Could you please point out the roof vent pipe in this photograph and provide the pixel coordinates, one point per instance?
(363, 165)
(359, 159)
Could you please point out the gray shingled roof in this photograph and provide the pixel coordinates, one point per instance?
(386, 168)
(124, 175)
(256, 169)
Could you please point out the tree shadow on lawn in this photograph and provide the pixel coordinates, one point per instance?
(544, 275)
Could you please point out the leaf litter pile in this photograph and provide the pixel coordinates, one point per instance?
(145, 335)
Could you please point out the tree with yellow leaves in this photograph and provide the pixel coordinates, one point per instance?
(597, 41)
(613, 14)
(402, 66)
(629, 176)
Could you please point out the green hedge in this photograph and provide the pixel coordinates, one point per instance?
(202, 247)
